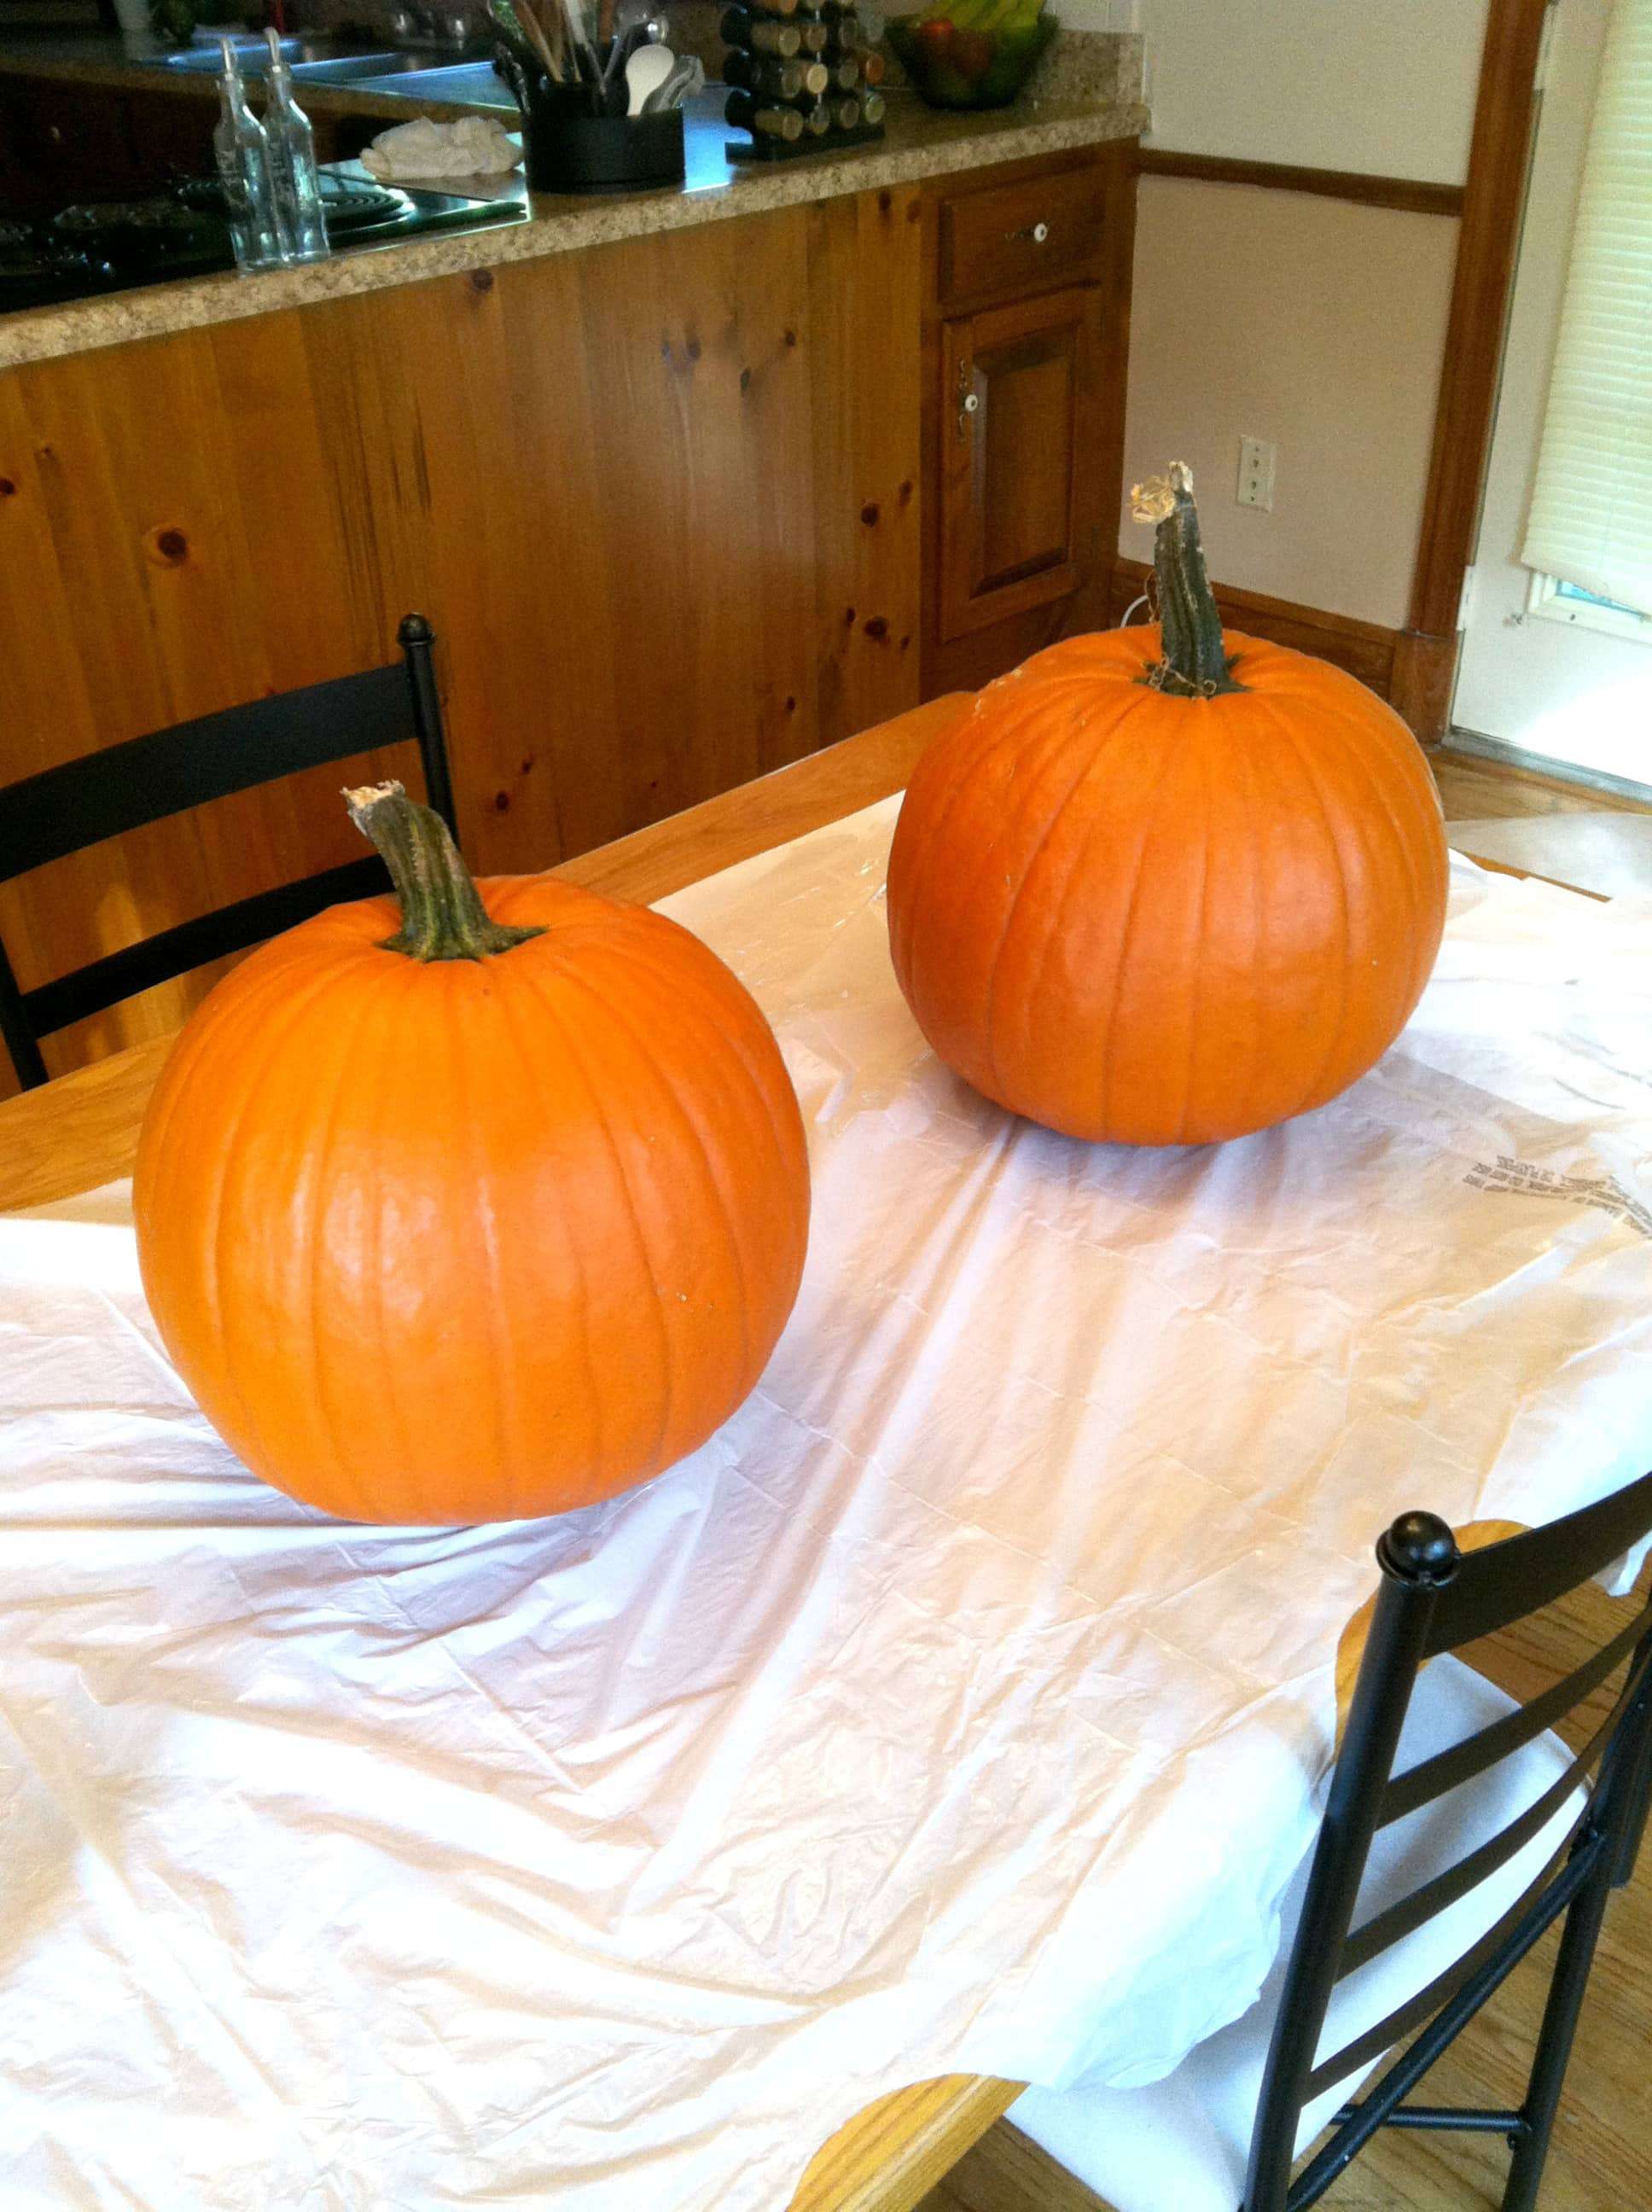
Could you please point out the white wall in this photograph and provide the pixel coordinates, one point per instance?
(1312, 323)
(1315, 323)
(1385, 86)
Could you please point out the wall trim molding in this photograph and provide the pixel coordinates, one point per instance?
(1412, 194)
(1495, 198)
(1366, 649)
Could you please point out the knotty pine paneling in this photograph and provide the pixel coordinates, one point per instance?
(636, 489)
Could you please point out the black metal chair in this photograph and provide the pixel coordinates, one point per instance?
(1557, 1856)
(107, 793)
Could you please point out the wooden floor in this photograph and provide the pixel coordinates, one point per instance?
(1601, 2160)
(1470, 787)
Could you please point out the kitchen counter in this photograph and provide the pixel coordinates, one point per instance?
(919, 143)
(110, 64)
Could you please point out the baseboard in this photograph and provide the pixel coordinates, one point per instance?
(1384, 659)
(1544, 769)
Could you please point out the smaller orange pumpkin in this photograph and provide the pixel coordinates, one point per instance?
(493, 1216)
(1167, 887)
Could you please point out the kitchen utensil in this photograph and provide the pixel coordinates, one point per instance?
(523, 27)
(587, 61)
(520, 80)
(621, 47)
(647, 71)
(688, 74)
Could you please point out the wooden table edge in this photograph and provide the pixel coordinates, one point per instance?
(82, 1129)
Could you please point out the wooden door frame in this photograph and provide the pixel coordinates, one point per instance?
(1499, 160)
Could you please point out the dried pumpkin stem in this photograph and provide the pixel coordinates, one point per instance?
(1195, 664)
(442, 914)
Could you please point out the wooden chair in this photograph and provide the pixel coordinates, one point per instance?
(1455, 1862)
(107, 793)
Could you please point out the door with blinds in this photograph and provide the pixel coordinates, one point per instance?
(1557, 659)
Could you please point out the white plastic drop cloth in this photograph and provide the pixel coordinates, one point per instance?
(961, 1705)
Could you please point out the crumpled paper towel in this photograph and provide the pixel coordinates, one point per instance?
(474, 146)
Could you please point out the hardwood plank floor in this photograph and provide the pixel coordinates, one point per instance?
(1601, 2160)
(1470, 787)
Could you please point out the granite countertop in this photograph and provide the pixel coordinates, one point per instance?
(918, 142)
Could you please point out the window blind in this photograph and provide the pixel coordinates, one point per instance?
(1591, 515)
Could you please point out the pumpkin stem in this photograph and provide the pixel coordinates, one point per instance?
(442, 914)
(1195, 664)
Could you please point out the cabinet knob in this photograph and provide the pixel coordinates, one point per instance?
(968, 401)
(1038, 232)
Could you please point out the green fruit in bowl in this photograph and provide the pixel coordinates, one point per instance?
(971, 54)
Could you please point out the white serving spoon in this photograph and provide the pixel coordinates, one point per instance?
(644, 72)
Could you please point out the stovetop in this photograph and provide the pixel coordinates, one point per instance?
(84, 250)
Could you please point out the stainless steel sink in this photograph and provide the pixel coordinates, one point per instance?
(253, 54)
(356, 68)
(321, 59)
(464, 84)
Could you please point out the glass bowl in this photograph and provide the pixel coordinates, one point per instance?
(954, 66)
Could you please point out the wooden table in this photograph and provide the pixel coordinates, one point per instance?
(82, 1130)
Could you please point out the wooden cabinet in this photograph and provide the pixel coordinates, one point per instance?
(1027, 326)
(1020, 455)
(660, 499)
(1008, 239)
(63, 139)
(681, 508)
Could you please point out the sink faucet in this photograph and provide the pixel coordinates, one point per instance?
(447, 23)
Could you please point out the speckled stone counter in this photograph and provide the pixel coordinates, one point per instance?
(918, 142)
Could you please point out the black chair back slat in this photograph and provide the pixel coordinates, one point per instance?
(231, 929)
(1522, 1574)
(15, 1030)
(1462, 1762)
(1432, 1599)
(105, 795)
(1553, 1894)
(1407, 1914)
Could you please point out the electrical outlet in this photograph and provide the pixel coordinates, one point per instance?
(1256, 459)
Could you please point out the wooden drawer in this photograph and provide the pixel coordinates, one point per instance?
(1019, 237)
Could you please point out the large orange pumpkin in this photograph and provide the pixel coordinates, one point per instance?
(1168, 889)
(496, 1217)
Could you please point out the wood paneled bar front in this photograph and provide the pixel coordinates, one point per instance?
(663, 499)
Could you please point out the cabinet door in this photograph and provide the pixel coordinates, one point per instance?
(1020, 431)
(64, 141)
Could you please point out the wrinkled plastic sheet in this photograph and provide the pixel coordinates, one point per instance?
(961, 1706)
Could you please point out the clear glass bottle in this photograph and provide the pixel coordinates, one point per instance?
(299, 208)
(242, 148)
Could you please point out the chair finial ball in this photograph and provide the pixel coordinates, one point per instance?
(1421, 1547)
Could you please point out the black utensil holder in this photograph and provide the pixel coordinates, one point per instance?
(571, 151)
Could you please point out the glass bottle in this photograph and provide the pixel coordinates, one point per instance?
(242, 149)
(298, 207)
